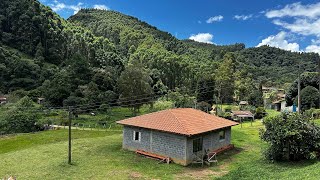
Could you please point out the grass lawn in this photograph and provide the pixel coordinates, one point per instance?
(98, 155)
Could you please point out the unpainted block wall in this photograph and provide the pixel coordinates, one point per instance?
(161, 143)
(211, 141)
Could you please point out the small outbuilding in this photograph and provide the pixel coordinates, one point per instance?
(241, 115)
(182, 134)
(3, 100)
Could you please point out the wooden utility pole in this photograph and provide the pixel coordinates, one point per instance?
(299, 92)
(69, 150)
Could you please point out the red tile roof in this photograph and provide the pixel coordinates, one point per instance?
(185, 121)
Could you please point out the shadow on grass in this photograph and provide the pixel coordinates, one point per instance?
(291, 164)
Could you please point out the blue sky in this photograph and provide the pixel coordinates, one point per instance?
(287, 24)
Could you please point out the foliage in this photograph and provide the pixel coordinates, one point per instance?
(312, 113)
(228, 109)
(225, 79)
(21, 119)
(307, 79)
(205, 89)
(181, 99)
(80, 60)
(162, 105)
(260, 113)
(290, 137)
(134, 87)
(204, 106)
(310, 98)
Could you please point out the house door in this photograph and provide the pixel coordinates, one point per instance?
(197, 145)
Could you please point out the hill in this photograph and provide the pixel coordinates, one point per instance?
(80, 60)
(265, 63)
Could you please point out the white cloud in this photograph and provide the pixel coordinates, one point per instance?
(299, 19)
(313, 48)
(280, 41)
(301, 26)
(100, 6)
(295, 10)
(215, 19)
(58, 6)
(202, 37)
(243, 17)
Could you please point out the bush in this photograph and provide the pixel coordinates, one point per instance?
(290, 137)
(162, 105)
(21, 118)
(252, 109)
(204, 106)
(260, 113)
(309, 98)
(227, 115)
(228, 109)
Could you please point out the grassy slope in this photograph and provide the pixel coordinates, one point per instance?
(97, 155)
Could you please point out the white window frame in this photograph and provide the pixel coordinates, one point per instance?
(134, 136)
(224, 133)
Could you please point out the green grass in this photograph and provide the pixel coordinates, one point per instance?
(272, 113)
(60, 117)
(98, 155)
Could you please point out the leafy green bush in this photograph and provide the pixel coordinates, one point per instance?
(162, 105)
(204, 106)
(290, 137)
(260, 113)
(313, 113)
(228, 109)
(227, 115)
(249, 108)
(309, 98)
(22, 118)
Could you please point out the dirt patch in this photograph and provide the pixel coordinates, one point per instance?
(200, 173)
(217, 170)
(135, 175)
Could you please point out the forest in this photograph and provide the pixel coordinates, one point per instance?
(105, 57)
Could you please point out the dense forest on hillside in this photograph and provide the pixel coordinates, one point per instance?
(95, 55)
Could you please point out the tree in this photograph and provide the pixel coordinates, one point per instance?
(21, 119)
(307, 79)
(134, 87)
(256, 97)
(309, 98)
(225, 79)
(58, 89)
(181, 99)
(290, 137)
(205, 89)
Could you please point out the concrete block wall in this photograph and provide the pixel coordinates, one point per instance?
(211, 141)
(177, 147)
(161, 143)
(130, 144)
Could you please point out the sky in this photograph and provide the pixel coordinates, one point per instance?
(287, 24)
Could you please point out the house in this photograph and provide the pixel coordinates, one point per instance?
(3, 100)
(241, 115)
(279, 105)
(243, 104)
(181, 134)
(40, 100)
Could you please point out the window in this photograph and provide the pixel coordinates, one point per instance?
(136, 135)
(222, 135)
(197, 145)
